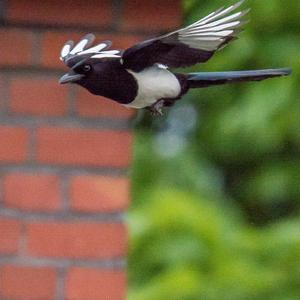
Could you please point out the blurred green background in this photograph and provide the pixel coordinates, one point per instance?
(216, 181)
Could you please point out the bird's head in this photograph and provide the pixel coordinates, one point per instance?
(84, 60)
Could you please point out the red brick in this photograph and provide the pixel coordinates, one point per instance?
(67, 12)
(15, 47)
(53, 41)
(89, 105)
(99, 193)
(13, 144)
(75, 146)
(28, 283)
(76, 240)
(124, 41)
(51, 44)
(156, 15)
(10, 231)
(38, 96)
(32, 191)
(3, 91)
(93, 284)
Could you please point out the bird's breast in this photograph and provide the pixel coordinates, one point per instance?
(112, 81)
(154, 83)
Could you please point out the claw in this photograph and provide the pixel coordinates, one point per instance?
(156, 108)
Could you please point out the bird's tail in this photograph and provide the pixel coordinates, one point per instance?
(205, 79)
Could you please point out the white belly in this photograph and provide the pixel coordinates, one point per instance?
(154, 83)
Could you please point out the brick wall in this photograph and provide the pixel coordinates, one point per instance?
(64, 154)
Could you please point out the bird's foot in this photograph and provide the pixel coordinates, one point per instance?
(156, 108)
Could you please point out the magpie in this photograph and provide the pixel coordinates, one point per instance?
(139, 77)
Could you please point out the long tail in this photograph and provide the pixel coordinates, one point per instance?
(205, 79)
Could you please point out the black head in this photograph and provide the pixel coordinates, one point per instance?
(78, 74)
(83, 59)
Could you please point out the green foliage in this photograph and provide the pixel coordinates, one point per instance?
(216, 183)
(188, 247)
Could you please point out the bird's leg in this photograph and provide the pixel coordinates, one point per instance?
(156, 108)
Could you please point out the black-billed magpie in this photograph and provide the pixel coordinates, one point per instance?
(139, 76)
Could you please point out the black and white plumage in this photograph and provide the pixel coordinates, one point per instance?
(139, 76)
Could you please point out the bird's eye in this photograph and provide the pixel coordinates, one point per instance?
(86, 68)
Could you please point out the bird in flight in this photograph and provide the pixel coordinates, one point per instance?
(139, 77)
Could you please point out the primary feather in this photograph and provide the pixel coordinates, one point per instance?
(187, 46)
(72, 55)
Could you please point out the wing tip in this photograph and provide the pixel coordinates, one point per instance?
(73, 53)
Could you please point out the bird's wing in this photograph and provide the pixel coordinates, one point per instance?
(190, 45)
(73, 55)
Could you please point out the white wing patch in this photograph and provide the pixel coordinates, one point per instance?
(95, 49)
(82, 50)
(105, 55)
(79, 47)
(161, 66)
(214, 30)
(66, 49)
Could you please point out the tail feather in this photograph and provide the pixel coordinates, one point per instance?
(205, 79)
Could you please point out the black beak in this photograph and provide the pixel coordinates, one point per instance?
(70, 78)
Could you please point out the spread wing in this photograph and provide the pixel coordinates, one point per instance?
(72, 54)
(187, 46)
